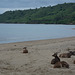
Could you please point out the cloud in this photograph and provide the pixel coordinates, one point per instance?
(2, 10)
(12, 4)
(29, 3)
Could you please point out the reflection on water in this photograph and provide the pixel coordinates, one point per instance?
(27, 32)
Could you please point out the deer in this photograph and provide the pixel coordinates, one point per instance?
(61, 64)
(25, 50)
(57, 63)
(56, 59)
(66, 55)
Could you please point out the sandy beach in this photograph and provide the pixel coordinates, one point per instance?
(38, 59)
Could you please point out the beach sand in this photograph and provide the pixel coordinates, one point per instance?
(38, 59)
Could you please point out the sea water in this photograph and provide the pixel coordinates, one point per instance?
(27, 32)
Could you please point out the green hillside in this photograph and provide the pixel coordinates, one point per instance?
(59, 14)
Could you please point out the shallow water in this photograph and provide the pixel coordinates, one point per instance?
(28, 32)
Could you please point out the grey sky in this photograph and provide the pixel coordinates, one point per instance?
(25, 4)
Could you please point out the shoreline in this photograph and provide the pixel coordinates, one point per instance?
(38, 59)
(39, 40)
(39, 23)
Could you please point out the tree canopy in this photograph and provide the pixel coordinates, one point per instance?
(58, 14)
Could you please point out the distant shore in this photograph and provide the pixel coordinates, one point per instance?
(38, 60)
(37, 23)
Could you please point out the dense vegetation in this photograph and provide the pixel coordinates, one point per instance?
(59, 14)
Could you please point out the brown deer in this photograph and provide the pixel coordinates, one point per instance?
(57, 63)
(25, 50)
(61, 64)
(56, 59)
(66, 55)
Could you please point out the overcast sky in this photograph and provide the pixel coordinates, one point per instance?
(27, 4)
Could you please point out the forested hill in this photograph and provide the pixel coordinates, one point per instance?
(59, 14)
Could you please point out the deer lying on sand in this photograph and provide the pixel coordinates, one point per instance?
(25, 50)
(57, 63)
(56, 59)
(61, 64)
(66, 55)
